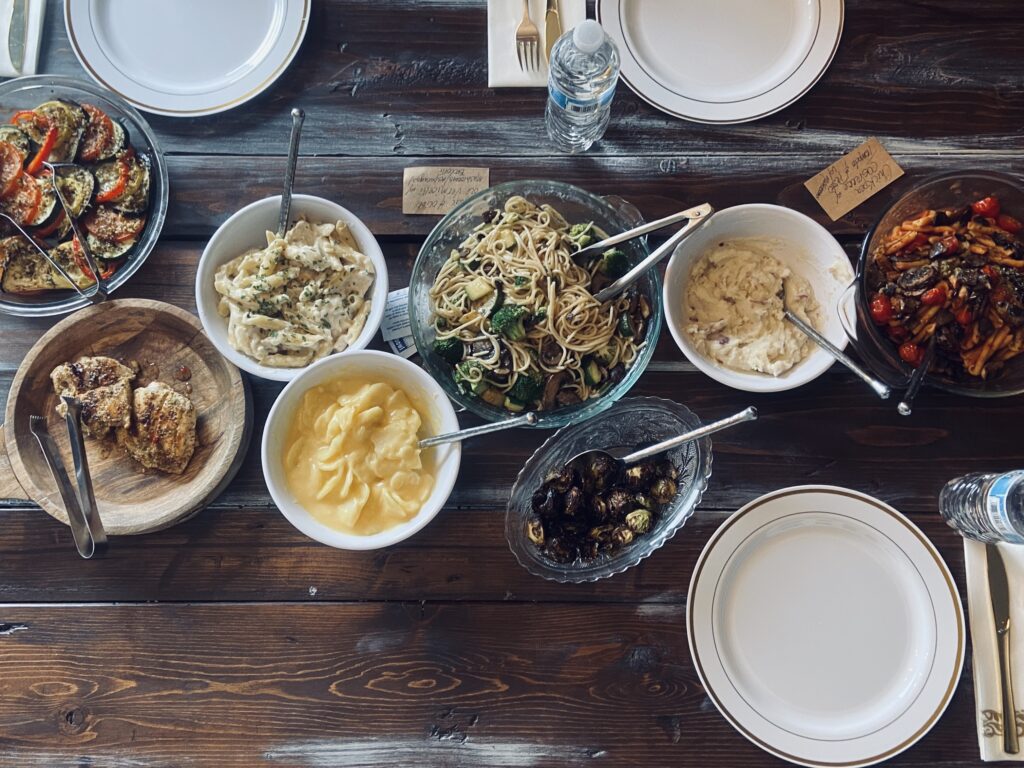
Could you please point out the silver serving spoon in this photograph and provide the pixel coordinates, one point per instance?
(695, 217)
(484, 429)
(880, 389)
(747, 414)
(916, 379)
(298, 116)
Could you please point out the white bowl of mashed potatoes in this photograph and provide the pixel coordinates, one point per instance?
(274, 308)
(724, 301)
(340, 453)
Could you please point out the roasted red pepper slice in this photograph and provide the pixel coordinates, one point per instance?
(987, 207)
(124, 169)
(50, 228)
(44, 152)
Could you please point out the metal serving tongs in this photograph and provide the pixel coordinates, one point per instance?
(97, 293)
(83, 514)
(694, 217)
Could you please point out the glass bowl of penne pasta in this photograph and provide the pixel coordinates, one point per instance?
(944, 266)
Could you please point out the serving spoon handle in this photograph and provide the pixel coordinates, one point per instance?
(298, 116)
(484, 429)
(747, 414)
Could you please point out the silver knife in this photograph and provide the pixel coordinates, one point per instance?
(999, 593)
(553, 28)
(17, 37)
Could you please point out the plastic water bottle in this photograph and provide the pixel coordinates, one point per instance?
(986, 507)
(582, 74)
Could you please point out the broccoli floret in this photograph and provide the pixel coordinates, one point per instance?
(508, 321)
(464, 377)
(450, 350)
(527, 388)
(613, 263)
(581, 234)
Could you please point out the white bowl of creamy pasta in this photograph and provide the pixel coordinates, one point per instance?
(722, 297)
(273, 306)
(339, 450)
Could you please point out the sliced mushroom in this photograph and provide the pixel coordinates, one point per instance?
(554, 383)
(550, 351)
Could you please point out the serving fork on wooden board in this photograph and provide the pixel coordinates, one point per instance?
(528, 41)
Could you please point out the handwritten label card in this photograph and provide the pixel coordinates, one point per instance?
(854, 178)
(438, 190)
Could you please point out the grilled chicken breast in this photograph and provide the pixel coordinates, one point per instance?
(162, 434)
(103, 386)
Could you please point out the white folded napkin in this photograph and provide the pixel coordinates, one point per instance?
(33, 37)
(503, 17)
(986, 656)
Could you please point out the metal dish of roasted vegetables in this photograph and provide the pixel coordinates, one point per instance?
(75, 151)
(955, 274)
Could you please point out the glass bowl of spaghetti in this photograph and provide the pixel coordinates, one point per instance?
(944, 260)
(505, 319)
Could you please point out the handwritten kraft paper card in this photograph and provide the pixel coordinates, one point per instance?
(436, 190)
(853, 178)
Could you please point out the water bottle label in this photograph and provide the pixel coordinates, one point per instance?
(998, 507)
(579, 106)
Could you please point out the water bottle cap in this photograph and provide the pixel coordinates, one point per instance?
(588, 36)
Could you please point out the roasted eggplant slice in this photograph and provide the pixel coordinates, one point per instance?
(69, 119)
(112, 233)
(14, 135)
(123, 183)
(27, 272)
(103, 138)
(48, 202)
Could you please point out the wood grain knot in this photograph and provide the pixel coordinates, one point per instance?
(72, 719)
(54, 688)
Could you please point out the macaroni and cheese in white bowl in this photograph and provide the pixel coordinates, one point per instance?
(273, 306)
(340, 454)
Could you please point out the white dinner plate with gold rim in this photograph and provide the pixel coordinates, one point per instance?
(186, 58)
(825, 627)
(727, 61)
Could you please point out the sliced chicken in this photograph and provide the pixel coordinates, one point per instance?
(162, 434)
(103, 387)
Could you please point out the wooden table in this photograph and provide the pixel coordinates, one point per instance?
(232, 640)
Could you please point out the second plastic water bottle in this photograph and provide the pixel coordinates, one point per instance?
(582, 74)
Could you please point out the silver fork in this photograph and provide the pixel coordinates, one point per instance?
(528, 41)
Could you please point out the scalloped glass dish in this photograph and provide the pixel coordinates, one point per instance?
(29, 92)
(626, 424)
(610, 214)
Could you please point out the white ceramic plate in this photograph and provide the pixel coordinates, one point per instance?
(825, 627)
(186, 57)
(805, 247)
(727, 61)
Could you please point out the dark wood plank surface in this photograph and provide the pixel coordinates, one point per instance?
(232, 640)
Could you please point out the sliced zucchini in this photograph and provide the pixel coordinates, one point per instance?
(513, 405)
(478, 288)
(109, 250)
(592, 372)
(14, 135)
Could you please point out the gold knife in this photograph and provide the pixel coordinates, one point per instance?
(553, 28)
(18, 34)
(999, 593)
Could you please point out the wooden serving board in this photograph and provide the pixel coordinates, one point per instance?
(162, 339)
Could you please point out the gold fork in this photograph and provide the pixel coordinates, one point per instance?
(528, 41)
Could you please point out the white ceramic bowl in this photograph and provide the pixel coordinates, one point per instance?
(247, 229)
(439, 417)
(815, 256)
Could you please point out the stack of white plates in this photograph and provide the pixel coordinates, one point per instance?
(727, 61)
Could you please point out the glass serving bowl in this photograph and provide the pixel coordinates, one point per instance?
(881, 354)
(576, 205)
(628, 423)
(30, 92)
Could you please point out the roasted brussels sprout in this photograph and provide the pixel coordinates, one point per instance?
(573, 501)
(535, 531)
(620, 501)
(640, 475)
(639, 520)
(622, 535)
(663, 490)
(601, 472)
